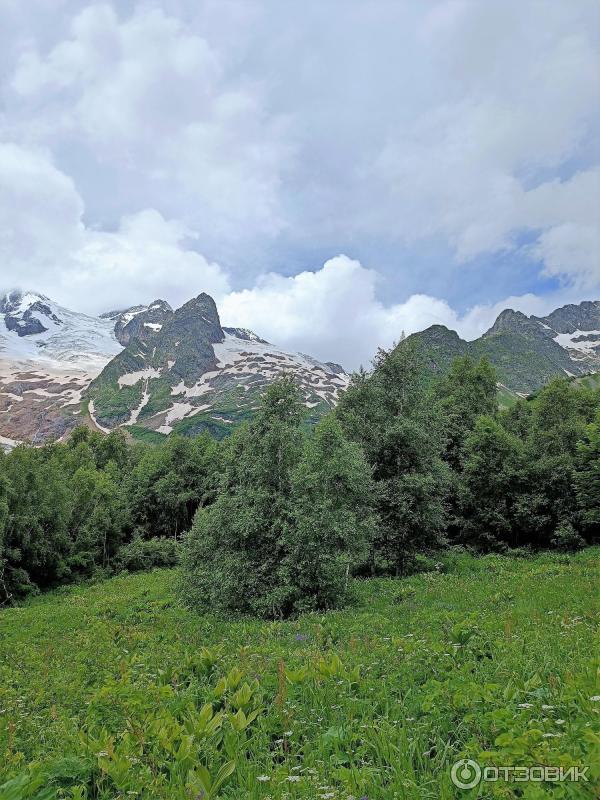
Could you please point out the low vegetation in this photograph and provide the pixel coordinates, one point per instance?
(114, 690)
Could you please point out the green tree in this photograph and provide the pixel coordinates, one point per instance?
(586, 478)
(332, 523)
(490, 485)
(233, 555)
(391, 415)
(169, 483)
(467, 392)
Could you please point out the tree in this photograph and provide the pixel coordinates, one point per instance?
(390, 414)
(586, 478)
(489, 486)
(466, 393)
(36, 533)
(233, 555)
(169, 483)
(332, 523)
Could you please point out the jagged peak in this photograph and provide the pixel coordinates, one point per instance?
(18, 300)
(162, 304)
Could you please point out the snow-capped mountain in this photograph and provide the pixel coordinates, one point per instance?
(34, 328)
(191, 374)
(48, 356)
(147, 366)
(153, 370)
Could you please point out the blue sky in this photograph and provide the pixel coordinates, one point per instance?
(332, 172)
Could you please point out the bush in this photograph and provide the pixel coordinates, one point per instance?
(567, 539)
(143, 554)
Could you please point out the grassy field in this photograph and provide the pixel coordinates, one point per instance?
(112, 690)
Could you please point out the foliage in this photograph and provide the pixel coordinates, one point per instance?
(113, 690)
(142, 554)
(82, 508)
(332, 524)
(233, 556)
(391, 416)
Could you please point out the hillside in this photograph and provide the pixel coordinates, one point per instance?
(152, 369)
(149, 368)
(526, 352)
(102, 686)
(190, 374)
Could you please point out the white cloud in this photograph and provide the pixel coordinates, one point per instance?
(333, 313)
(147, 258)
(151, 97)
(247, 130)
(45, 246)
(40, 212)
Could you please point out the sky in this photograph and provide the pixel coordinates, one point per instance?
(332, 172)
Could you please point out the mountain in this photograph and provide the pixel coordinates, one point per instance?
(148, 368)
(152, 369)
(48, 356)
(191, 374)
(527, 352)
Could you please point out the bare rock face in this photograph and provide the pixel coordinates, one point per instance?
(139, 322)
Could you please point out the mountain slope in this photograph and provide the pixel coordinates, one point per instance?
(527, 352)
(149, 368)
(48, 356)
(193, 375)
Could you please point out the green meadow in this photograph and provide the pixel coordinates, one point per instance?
(113, 690)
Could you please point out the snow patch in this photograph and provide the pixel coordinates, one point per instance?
(567, 340)
(131, 378)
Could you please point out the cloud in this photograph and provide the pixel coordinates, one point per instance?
(40, 211)
(171, 146)
(333, 312)
(151, 97)
(45, 246)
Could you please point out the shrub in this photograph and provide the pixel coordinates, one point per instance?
(146, 553)
(566, 538)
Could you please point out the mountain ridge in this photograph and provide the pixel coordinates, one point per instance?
(526, 351)
(59, 368)
(153, 369)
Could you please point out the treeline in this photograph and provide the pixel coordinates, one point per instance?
(276, 520)
(95, 505)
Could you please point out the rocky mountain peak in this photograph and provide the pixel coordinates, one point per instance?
(28, 313)
(199, 317)
(509, 321)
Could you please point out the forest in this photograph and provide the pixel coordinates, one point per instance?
(275, 519)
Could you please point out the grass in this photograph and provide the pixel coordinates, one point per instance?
(112, 690)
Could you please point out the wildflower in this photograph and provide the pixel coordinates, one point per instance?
(595, 698)
(547, 708)
(301, 637)
(560, 722)
(525, 705)
(293, 778)
(263, 778)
